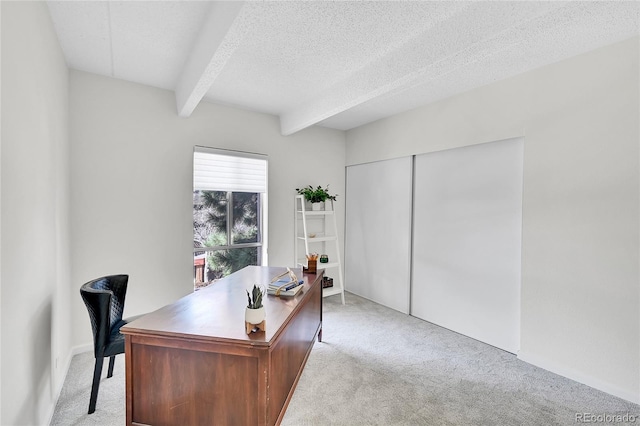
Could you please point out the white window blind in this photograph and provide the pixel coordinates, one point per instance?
(218, 170)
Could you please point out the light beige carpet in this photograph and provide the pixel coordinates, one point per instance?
(377, 366)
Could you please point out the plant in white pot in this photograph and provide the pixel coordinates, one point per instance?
(254, 314)
(316, 196)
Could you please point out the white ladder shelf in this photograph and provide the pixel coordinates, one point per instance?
(318, 228)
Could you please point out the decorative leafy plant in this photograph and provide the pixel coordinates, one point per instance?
(316, 195)
(255, 298)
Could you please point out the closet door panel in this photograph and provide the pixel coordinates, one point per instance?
(378, 232)
(467, 241)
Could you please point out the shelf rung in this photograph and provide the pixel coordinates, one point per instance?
(316, 212)
(330, 291)
(318, 239)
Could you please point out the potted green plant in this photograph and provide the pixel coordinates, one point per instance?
(255, 314)
(316, 195)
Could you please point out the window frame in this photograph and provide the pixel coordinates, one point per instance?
(261, 213)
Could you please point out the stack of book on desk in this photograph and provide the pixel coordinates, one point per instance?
(286, 284)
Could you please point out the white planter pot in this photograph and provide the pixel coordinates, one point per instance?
(254, 316)
(317, 206)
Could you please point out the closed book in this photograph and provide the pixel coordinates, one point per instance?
(290, 284)
(291, 292)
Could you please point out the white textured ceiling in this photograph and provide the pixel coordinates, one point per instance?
(333, 63)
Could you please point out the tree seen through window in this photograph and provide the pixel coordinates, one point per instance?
(227, 228)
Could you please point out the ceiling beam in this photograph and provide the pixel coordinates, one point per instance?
(383, 76)
(391, 73)
(219, 36)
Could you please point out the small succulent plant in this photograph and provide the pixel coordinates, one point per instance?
(255, 297)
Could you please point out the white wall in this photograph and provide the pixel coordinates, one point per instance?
(35, 303)
(131, 170)
(580, 118)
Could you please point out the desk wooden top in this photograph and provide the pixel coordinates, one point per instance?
(216, 313)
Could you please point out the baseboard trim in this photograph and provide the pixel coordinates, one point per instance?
(67, 364)
(579, 377)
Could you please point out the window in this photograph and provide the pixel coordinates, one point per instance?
(229, 213)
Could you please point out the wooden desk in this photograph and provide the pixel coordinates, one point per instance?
(192, 363)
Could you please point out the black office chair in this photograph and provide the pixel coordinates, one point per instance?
(104, 298)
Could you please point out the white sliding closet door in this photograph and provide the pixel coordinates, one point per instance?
(378, 232)
(467, 241)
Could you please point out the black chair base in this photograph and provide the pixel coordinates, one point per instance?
(97, 374)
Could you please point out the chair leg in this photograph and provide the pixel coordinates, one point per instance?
(112, 361)
(97, 372)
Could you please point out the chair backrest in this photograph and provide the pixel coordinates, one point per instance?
(104, 298)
